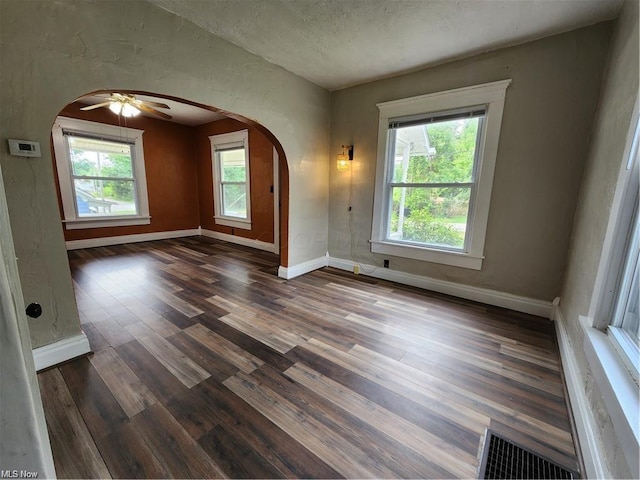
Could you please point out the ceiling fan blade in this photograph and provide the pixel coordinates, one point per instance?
(155, 104)
(97, 105)
(153, 111)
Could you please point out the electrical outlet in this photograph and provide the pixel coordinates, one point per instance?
(356, 269)
(385, 263)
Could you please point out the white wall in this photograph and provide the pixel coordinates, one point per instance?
(53, 52)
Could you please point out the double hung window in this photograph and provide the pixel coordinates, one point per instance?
(231, 180)
(432, 175)
(624, 283)
(101, 174)
(611, 344)
(436, 157)
(624, 323)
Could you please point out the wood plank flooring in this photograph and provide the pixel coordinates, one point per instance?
(207, 365)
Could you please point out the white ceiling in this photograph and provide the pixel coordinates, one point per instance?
(180, 112)
(339, 43)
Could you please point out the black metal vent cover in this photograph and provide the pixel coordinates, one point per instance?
(503, 459)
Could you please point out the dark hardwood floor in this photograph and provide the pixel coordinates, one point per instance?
(206, 364)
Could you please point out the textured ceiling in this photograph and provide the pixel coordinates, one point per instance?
(339, 43)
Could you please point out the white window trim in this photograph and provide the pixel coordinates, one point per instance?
(492, 96)
(219, 218)
(618, 384)
(63, 165)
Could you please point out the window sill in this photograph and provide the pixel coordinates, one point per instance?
(103, 222)
(235, 223)
(619, 391)
(456, 259)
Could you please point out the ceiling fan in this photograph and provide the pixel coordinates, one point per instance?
(129, 106)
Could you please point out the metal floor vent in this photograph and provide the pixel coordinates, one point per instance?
(502, 459)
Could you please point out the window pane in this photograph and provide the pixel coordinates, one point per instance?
(434, 216)
(234, 200)
(438, 152)
(233, 165)
(630, 319)
(105, 197)
(100, 158)
(627, 313)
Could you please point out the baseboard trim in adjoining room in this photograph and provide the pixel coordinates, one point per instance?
(136, 238)
(150, 237)
(247, 242)
(61, 351)
(518, 303)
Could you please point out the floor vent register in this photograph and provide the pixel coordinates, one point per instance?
(502, 459)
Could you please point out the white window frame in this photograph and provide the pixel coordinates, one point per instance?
(614, 364)
(622, 341)
(72, 220)
(221, 141)
(621, 238)
(489, 95)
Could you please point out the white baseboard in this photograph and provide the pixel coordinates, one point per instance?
(302, 268)
(491, 297)
(247, 242)
(61, 351)
(585, 423)
(121, 239)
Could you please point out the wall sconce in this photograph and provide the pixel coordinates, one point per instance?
(344, 159)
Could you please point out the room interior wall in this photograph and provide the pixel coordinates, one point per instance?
(54, 52)
(548, 114)
(171, 171)
(261, 180)
(25, 444)
(604, 160)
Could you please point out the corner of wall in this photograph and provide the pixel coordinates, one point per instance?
(588, 443)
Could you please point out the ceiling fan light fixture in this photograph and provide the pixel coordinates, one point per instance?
(129, 106)
(125, 109)
(129, 110)
(116, 107)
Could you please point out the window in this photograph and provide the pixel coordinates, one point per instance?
(432, 164)
(623, 279)
(436, 156)
(624, 325)
(231, 185)
(101, 174)
(611, 325)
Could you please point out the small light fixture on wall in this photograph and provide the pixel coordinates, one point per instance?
(345, 158)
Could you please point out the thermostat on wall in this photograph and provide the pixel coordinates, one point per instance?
(24, 148)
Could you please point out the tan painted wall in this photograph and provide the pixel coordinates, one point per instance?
(53, 52)
(604, 161)
(547, 119)
(25, 443)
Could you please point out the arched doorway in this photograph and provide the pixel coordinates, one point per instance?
(177, 181)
